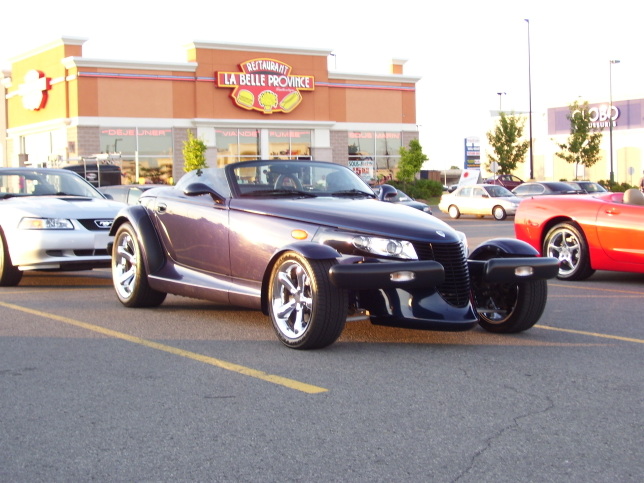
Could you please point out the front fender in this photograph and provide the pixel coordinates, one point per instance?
(503, 260)
(503, 247)
(146, 235)
(313, 251)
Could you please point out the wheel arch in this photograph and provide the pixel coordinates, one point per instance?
(146, 234)
(547, 226)
(314, 251)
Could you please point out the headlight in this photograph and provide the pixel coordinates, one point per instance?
(385, 247)
(45, 224)
(463, 239)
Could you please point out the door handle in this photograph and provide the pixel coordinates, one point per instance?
(161, 208)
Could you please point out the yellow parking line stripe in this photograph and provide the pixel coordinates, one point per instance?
(229, 366)
(597, 289)
(592, 334)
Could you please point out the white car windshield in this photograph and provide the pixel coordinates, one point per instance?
(44, 182)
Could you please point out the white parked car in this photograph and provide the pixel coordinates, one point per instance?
(51, 219)
(481, 200)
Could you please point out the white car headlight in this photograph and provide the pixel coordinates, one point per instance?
(463, 239)
(386, 247)
(45, 224)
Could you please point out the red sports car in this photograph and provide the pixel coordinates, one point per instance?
(585, 232)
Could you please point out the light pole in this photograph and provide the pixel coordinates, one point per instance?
(530, 102)
(610, 116)
(500, 94)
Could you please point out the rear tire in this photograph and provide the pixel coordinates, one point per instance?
(454, 212)
(307, 310)
(567, 243)
(10, 276)
(129, 276)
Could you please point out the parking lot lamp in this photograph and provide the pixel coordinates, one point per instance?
(530, 103)
(610, 116)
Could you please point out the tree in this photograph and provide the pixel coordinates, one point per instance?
(583, 143)
(411, 160)
(505, 140)
(194, 153)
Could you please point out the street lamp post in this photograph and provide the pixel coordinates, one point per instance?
(610, 116)
(530, 103)
(500, 94)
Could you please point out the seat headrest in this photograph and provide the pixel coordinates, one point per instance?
(633, 196)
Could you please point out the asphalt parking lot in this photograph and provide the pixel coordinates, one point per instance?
(193, 391)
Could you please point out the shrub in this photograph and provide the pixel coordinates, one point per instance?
(422, 189)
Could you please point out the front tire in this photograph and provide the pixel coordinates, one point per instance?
(510, 307)
(499, 213)
(567, 243)
(454, 212)
(129, 275)
(10, 276)
(307, 310)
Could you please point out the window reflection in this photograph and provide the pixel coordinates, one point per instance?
(374, 156)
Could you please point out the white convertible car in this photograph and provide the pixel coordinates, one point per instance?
(51, 219)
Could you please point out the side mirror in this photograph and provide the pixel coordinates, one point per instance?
(198, 189)
(387, 192)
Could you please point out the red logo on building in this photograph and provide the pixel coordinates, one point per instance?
(34, 90)
(266, 85)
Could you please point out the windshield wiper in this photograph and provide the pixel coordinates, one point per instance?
(280, 193)
(352, 192)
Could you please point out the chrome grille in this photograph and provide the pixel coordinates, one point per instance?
(98, 224)
(456, 287)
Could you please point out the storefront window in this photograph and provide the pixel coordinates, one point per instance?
(289, 144)
(145, 154)
(246, 144)
(236, 145)
(374, 155)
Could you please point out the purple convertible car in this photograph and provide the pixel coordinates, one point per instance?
(308, 244)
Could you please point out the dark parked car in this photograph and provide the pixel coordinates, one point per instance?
(589, 187)
(126, 193)
(309, 244)
(391, 194)
(508, 181)
(546, 188)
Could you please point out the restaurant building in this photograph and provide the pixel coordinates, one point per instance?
(243, 101)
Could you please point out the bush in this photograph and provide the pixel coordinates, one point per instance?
(615, 187)
(421, 189)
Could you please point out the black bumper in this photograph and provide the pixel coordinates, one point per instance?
(517, 269)
(426, 273)
(373, 276)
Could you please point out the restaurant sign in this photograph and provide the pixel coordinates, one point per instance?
(34, 90)
(266, 85)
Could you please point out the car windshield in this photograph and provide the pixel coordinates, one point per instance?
(280, 178)
(497, 191)
(44, 182)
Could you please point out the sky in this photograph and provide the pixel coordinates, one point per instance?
(465, 52)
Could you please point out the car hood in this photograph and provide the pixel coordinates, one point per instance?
(363, 215)
(63, 206)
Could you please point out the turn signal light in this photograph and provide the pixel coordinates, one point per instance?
(523, 271)
(402, 276)
(299, 234)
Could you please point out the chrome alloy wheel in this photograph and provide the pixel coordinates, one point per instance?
(292, 300)
(564, 245)
(124, 267)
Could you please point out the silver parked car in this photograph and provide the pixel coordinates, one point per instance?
(480, 200)
(51, 219)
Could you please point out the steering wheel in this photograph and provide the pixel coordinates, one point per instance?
(288, 181)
